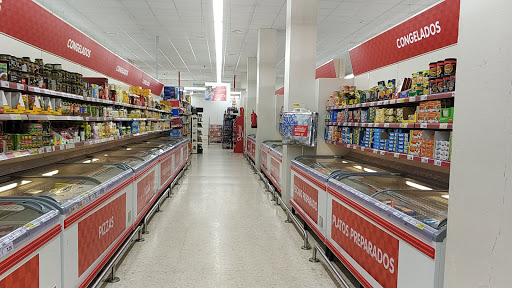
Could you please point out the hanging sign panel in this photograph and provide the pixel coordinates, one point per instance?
(430, 30)
(217, 91)
(26, 21)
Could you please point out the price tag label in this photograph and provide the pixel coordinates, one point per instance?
(70, 146)
(396, 155)
(400, 100)
(437, 162)
(362, 148)
(424, 160)
(7, 248)
(375, 151)
(62, 147)
(403, 125)
(410, 157)
(423, 125)
(48, 149)
(354, 147)
(20, 86)
(16, 154)
(386, 125)
(379, 103)
(392, 101)
(348, 145)
(40, 150)
(53, 93)
(51, 117)
(443, 126)
(15, 117)
(412, 99)
(4, 84)
(386, 102)
(37, 90)
(382, 152)
(423, 97)
(358, 105)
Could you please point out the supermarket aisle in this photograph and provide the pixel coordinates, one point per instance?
(220, 230)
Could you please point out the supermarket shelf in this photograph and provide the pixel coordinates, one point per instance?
(13, 117)
(421, 98)
(393, 154)
(71, 118)
(48, 149)
(26, 88)
(437, 126)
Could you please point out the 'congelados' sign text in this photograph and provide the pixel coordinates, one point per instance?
(122, 70)
(415, 36)
(79, 48)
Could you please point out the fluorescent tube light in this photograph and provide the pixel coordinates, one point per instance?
(369, 170)
(51, 173)
(445, 196)
(7, 187)
(87, 161)
(23, 182)
(349, 76)
(95, 159)
(236, 93)
(358, 167)
(344, 162)
(417, 186)
(194, 88)
(218, 15)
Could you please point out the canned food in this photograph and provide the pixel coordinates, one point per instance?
(433, 69)
(440, 84)
(440, 69)
(432, 83)
(449, 66)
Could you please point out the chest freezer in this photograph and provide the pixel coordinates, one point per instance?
(389, 229)
(95, 202)
(271, 162)
(251, 146)
(309, 178)
(265, 155)
(30, 251)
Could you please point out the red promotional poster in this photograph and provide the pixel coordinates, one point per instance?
(264, 159)
(375, 250)
(430, 30)
(220, 93)
(166, 170)
(27, 21)
(300, 130)
(238, 141)
(306, 197)
(145, 191)
(25, 276)
(99, 230)
(275, 170)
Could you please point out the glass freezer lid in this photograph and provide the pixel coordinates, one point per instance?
(59, 188)
(370, 184)
(142, 154)
(429, 207)
(278, 147)
(131, 161)
(14, 215)
(330, 165)
(99, 171)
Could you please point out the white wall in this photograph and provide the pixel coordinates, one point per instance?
(403, 69)
(478, 251)
(212, 110)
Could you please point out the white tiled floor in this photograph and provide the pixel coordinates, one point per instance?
(220, 229)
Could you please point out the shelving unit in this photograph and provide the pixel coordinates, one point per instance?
(227, 127)
(197, 146)
(215, 133)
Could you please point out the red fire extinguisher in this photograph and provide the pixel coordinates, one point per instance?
(254, 122)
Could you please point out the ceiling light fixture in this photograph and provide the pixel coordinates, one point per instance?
(51, 173)
(218, 11)
(237, 31)
(194, 88)
(417, 186)
(446, 196)
(349, 76)
(369, 170)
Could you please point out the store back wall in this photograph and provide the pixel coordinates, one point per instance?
(213, 111)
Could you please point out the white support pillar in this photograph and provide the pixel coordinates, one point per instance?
(299, 73)
(266, 83)
(251, 94)
(479, 228)
(243, 97)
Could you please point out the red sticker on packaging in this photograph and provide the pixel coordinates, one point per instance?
(300, 131)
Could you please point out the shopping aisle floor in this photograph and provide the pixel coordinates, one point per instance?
(220, 229)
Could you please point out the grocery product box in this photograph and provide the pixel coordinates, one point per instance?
(446, 115)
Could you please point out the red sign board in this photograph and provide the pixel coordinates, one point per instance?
(328, 70)
(238, 141)
(25, 276)
(99, 230)
(275, 170)
(430, 30)
(145, 191)
(264, 159)
(166, 170)
(374, 249)
(306, 197)
(27, 21)
(300, 130)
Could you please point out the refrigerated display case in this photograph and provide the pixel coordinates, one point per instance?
(90, 196)
(30, 251)
(271, 159)
(251, 147)
(309, 177)
(404, 219)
